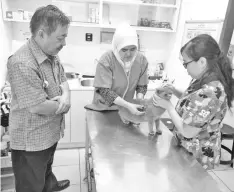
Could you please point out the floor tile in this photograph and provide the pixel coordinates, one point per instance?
(66, 157)
(70, 172)
(227, 178)
(222, 186)
(225, 155)
(84, 187)
(223, 168)
(8, 183)
(9, 190)
(73, 188)
(82, 165)
(227, 143)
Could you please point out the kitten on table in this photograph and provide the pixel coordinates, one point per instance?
(152, 113)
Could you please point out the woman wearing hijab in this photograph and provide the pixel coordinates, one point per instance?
(201, 108)
(120, 73)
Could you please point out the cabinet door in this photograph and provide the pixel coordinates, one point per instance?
(67, 131)
(78, 100)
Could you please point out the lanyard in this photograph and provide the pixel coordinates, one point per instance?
(45, 83)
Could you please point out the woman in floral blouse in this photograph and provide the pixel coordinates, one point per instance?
(201, 108)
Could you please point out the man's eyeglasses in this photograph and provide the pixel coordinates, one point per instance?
(185, 64)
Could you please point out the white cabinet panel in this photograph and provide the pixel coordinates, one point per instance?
(67, 131)
(78, 100)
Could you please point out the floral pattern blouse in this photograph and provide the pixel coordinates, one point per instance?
(205, 109)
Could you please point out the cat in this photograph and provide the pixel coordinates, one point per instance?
(152, 113)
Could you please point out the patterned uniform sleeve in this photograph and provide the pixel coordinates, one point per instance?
(201, 106)
(108, 95)
(26, 85)
(141, 89)
(143, 80)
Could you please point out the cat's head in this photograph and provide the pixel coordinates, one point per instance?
(164, 91)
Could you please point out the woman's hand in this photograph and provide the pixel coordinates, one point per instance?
(136, 109)
(159, 102)
(168, 85)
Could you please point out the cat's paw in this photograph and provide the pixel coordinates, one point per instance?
(137, 125)
(126, 122)
(151, 133)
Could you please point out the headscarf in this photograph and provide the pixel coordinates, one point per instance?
(125, 35)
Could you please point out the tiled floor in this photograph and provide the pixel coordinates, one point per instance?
(70, 164)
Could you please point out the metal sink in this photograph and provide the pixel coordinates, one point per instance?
(87, 82)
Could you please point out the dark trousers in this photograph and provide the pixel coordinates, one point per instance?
(33, 170)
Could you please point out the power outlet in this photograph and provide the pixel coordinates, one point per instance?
(88, 37)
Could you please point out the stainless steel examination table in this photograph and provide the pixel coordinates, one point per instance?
(122, 158)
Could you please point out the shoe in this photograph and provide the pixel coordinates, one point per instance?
(151, 133)
(61, 185)
(159, 132)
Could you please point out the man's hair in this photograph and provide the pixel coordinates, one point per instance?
(48, 18)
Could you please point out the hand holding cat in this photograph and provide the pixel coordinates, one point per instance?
(160, 102)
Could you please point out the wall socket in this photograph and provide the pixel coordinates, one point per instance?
(88, 37)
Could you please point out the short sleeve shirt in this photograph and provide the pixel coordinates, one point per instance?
(28, 69)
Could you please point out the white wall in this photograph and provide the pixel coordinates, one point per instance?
(5, 47)
(191, 10)
(79, 55)
(195, 10)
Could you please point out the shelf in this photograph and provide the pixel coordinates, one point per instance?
(139, 28)
(77, 1)
(93, 25)
(139, 3)
(80, 24)
(154, 29)
(15, 20)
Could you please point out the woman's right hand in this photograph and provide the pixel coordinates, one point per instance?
(136, 109)
(168, 86)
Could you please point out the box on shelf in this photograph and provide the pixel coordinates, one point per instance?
(9, 14)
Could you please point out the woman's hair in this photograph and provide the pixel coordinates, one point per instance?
(205, 46)
(49, 17)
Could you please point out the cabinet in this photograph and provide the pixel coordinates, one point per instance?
(67, 131)
(79, 99)
(74, 133)
(144, 15)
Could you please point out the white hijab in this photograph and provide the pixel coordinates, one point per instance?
(125, 35)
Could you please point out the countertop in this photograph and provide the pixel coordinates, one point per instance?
(75, 85)
(125, 159)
